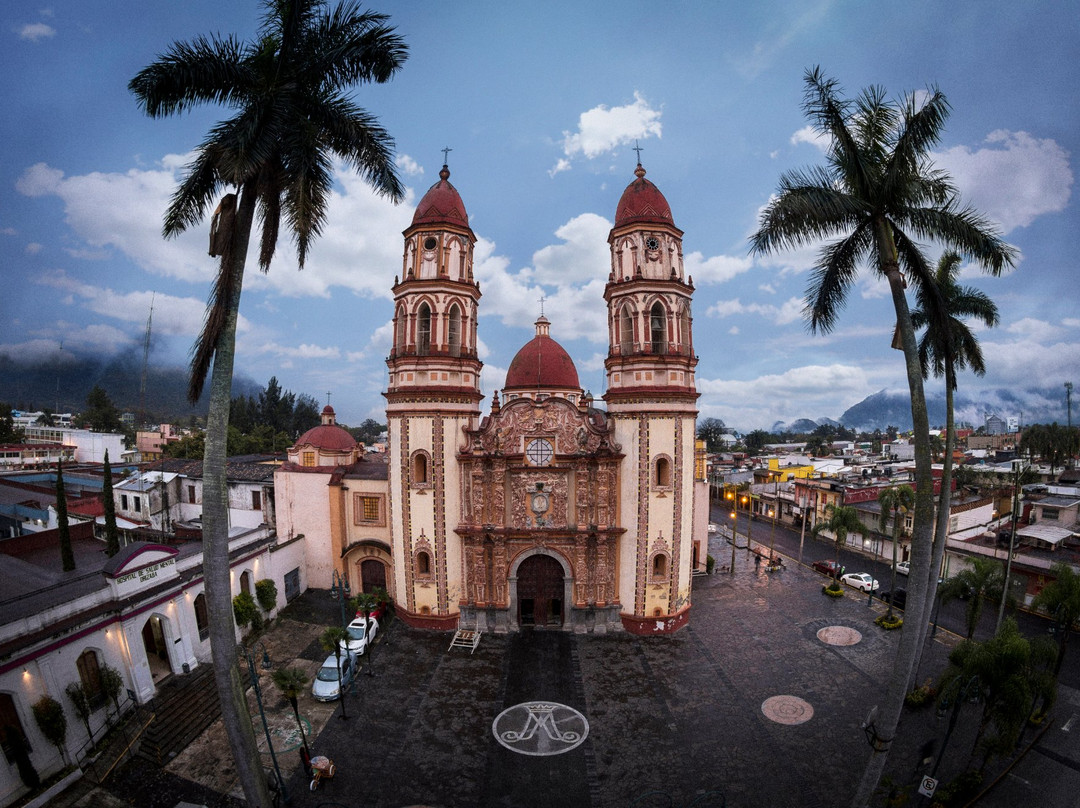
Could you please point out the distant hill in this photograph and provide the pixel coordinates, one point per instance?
(1029, 406)
(62, 385)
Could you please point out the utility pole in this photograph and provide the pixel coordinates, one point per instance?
(1068, 406)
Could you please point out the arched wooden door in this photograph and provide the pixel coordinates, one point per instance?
(540, 592)
(372, 574)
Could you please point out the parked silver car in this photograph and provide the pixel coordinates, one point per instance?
(325, 687)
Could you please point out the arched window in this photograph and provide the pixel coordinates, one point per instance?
(202, 618)
(626, 331)
(663, 473)
(419, 468)
(660, 565)
(400, 323)
(684, 330)
(423, 563)
(245, 582)
(90, 675)
(658, 328)
(423, 330)
(454, 329)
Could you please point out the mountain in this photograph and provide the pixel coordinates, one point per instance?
(1033, 405)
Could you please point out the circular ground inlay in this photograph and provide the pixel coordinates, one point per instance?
(790, 710)
(839, 635)
(540, 728)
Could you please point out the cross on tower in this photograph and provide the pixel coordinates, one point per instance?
(638, 149)
(445, 152)
(542, 299)
(327, 398)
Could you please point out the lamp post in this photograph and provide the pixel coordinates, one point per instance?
(749, 517)
(734, 497)
(339, 590)
(246, 652)
(775, 508)
(1017, 466)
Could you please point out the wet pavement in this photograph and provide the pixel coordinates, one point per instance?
(751, 704)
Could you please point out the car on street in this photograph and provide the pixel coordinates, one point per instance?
(713, 527)
(360, 635)
(829, 568)
(326, 687)
(903, 567)
(897, 598)
(861, 580)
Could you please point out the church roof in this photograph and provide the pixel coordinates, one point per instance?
(328, 436)
(642, 203)
(542, 363)
(441, 204)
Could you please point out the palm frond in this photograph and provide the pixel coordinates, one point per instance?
(196, 193)
(832, 278)
(203, 71)
(966, 231)
(361, 47)
(367, 148)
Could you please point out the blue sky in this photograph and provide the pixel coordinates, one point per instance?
(542, 104)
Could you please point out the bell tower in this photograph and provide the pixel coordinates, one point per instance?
(433, 394)
(652, 397)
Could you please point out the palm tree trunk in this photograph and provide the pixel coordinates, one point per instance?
(234, 707)
(922, 536)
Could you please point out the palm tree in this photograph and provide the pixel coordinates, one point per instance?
(895, 500)
(288, 88)
(1061, 600)
(331, 640)
(291, 681)
(840, 520)
(878, 194)
(983, 580)
(948, 346)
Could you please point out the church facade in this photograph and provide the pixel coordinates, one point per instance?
(546, 510)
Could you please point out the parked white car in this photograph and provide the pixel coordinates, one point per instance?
(326, 687)
(360, 636)
(861, 580)
(903, 567)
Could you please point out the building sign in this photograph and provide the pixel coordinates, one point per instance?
(146, 574)
(145, 567)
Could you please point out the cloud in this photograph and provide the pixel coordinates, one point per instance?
(602, 128)
(787, 312)
(409, 166)
(1036, 330)
(716, 269)
(36, 31)
(1013, 179)
(816, 138)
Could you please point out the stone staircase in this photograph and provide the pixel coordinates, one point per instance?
(184, 707)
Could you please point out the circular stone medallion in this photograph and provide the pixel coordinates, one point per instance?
(790, 710)
(839, 635)
(540, 728)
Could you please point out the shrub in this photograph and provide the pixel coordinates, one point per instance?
(889, 625)
(50, 718)
(710, 564)
(266, 594)
(921, 696)
(245, 611)
(833, 590)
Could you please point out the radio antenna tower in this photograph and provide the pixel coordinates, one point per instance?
(145, 363)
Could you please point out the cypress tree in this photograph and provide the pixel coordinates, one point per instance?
(112, 541)
(66, 554)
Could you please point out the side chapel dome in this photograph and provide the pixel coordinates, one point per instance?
(328, 436)
(542, 364)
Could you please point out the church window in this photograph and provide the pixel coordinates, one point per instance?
(454, 336)
(626, 331)
(430, 243)
(308, 460)
(660, 566)
(662, 476)
(90, 676)
(420, 468)
(423, 330)
(684, 330)
(367, 509)
(658, 329)
(423, 564)
(400, 322)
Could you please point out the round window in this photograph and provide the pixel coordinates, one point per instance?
(430, 243)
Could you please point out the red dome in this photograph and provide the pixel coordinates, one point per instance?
(542, 363)
(441, 204)
(329, 438)
(642, 203)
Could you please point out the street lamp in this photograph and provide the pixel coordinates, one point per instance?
(772, 513)
(339, 590)
(734, 497)
(749, 500)
(246, 652)
(1017, 467)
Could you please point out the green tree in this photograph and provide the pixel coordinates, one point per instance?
(755, 441)
(1052, 443)
(80, 700)
(840, 520)
(895, 501)
(266, 594)
(191, 447)
(368, 432)
(112, 539)
(983, 580)
(67, 556)
(112, 684)
(101, 414)
(289, 89)
(947, 346)
(50, 718)
(291, 682)
(331, 640)
(712, 431)
(879, 194)
(8, 432)
(1061, 600)
(306, 414)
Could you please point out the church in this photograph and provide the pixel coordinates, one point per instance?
(546, 510)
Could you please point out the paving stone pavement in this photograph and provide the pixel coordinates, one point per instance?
(672, 721)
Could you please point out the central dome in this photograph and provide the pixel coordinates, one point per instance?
(441, 204)
(542, 364)
(642, 203)
(328, 436)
